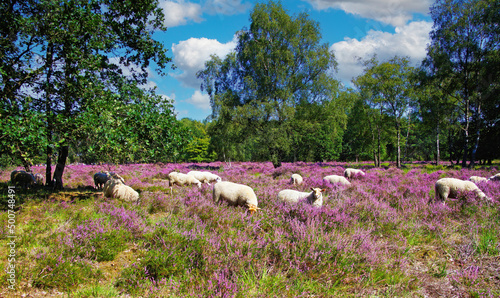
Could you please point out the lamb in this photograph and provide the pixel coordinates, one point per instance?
(315, 198)
(296, 179)
(114, 188)
(334, 179)
(351, 173)
(235, 195)
(449, 188)
(477, 179)
(182, 179)
(205, 177)
(102, 177)
(22, 178)
(495, 177)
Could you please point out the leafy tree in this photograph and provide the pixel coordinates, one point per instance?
(198, 148)
(66, 54)
(463, 58)
(278, 64)
(391, 91)
(361, 136)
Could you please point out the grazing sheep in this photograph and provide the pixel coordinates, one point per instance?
(236, 195)
(22, 178)
(477, 179)
(495, 177)
(334, 179)
(205, 177)
(182, 179)
(125, 193)
(315, 198)
(449, 188)
(109, 187)
(102, 177)
(114, 188)
(352, 173)
(38, 179)
(296, 179)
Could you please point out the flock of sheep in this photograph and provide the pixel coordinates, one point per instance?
(113, 185)
(25, 179)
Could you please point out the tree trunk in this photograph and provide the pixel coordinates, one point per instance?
(398, 158)
(437, 144)
(466, 133)
(378, 148)
(61, 163)
(477, 115)
(48, 112)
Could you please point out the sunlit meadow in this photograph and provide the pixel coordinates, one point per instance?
(377, 237)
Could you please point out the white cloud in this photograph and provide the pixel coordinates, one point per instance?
(408, 41)
(180, 13)
(226, 7)
(190, 57)
(200, 100)
(394, 12)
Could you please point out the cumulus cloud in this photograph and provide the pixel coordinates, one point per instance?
(199, 100)
(180, 13)
(394, 12)
(408, 41)
(190, 57)
(226, 7)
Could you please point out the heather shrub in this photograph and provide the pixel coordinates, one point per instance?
(96, 240)
(168, 255)
(55, 270)
(377, 237)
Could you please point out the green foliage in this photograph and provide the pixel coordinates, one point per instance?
(387, 87)
(198, 148)
(170, 255)
(97, 291)
(462, 61)
(278, 65)
(56, 271)
(93, 56)
(488, 242)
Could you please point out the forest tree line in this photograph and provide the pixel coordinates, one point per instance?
(64, 94)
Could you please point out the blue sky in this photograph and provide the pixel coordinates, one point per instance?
(354, 30)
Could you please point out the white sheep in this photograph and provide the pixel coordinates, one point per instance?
(352, 173)
(125, 193)
(235, 195)
(477, 179)
(334, 179)
(449, 188)
(495, 177)
(182, 179)
(22, 178)
(109, 187)
(114, 188)
(205, 177)
(315, 198)
(296, 179)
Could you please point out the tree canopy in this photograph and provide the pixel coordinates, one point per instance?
(64, 62)
(279, 66)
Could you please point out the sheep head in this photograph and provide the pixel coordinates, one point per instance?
(252, 208)
(318, 192)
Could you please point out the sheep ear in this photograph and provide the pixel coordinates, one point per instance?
(312, 188)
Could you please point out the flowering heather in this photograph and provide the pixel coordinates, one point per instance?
(377, 237)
